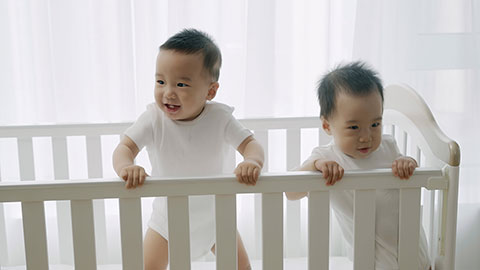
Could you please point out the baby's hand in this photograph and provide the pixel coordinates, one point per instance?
(133, 175)
(332, 172)
(403, 167)
(247, 172)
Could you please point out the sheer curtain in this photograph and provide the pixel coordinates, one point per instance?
(66, 61)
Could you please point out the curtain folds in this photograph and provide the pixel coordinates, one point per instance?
(93, 61)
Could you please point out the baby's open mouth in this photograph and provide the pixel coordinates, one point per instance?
(172, 108)
(364, 150)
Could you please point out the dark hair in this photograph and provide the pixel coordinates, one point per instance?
(191, 41)
(355, 78)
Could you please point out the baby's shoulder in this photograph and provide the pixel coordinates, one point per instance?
(388, 141)
(217, 107)
(325, 151)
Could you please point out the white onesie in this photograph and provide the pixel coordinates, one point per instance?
(188, 148)
(387, 203)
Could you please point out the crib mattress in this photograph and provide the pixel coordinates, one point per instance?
(336, 263)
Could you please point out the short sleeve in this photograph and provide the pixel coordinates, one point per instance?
(235, 132)
(319, 152)
(391, 145)
(141, 132)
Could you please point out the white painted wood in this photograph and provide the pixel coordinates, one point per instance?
(409, 228)
(25, 156)
(292, 232)
(35, 235)
(450, 213)
(272, 229)
(405, 142)
(226, 231)
(83, 234)
(421, 124)
(257, 208)
(131, 233)
(64, 218)
(318, 230)
(408, 113)
(4, 254)
(293, 148)
(223, 184)
(364, 230)
(178, 233)
(262, 137)
(95, 170)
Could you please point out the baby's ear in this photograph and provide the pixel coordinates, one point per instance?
(326, 125)
(212, 91)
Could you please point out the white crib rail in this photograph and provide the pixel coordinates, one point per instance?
(412, 124)
(82, 192)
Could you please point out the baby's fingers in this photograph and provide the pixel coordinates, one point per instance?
(143, 175)
(394, 168)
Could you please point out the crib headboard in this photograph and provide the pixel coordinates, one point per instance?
(49, 154)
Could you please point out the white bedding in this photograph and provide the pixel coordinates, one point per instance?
(336, 263)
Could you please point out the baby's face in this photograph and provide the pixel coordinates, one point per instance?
(182, 85)
(356, 124)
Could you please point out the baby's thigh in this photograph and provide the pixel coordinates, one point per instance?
(155, 251)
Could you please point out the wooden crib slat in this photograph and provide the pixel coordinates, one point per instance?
(405, 142)
(94, 156)
(95, 170)
(35, 235)
(262, 138)
(272, 229)
(131, 231)
(364, 230)
(318, 236)
(25, 155)
(292, 232)
(3, 237)
(226, 231)
(60, 157)
(64, 219)
(178, 233)
(83, 234)
(409, 229)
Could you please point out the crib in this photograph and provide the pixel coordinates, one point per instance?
(428, 198)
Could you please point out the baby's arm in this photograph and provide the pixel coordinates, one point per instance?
(403, 167)
(248, 170)
(332, 172)
(123, 163)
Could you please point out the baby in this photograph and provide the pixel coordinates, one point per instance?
(187, 134)
(351, 103)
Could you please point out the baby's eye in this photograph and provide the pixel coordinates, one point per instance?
(160, 82)
(353, 127)
(182, 84)
(376, 124)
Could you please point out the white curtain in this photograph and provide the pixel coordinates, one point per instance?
(64, 61)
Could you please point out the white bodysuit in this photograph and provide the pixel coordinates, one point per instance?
(387, 203)
(188, 148)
